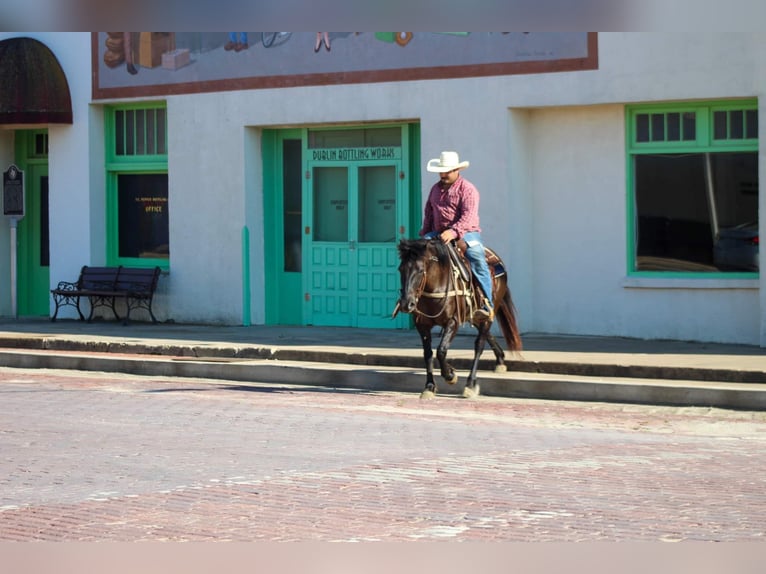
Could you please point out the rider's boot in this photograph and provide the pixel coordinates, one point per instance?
(486, 312)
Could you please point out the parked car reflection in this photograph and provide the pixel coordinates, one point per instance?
(736, 248)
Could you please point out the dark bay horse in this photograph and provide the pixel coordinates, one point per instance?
(437, 294)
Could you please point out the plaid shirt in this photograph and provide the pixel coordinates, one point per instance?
(456, 208)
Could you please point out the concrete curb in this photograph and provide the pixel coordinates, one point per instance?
(513, 384)
(408, 361)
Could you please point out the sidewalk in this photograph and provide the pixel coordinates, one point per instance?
(554, 367)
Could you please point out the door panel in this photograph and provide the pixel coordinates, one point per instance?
(357, 212)
(331, 263)
(33, 281)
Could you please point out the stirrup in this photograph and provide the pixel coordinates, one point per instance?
(484, 313)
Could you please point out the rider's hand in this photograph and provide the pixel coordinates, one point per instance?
(448, 235)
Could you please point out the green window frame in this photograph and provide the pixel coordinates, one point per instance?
(136, 185)
(692, 184)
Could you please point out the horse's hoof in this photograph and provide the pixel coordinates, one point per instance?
(451, 381)
(427, 395)
(471, 392)
(501, 368)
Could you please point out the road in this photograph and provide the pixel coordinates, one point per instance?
(109, 457)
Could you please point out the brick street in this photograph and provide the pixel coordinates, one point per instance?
(112, 457)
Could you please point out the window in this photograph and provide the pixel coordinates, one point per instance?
(137, 185)
(694, 189)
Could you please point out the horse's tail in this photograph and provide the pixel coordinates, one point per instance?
(505, 314)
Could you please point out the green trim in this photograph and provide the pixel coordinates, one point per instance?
(117, 165)
(703, 142)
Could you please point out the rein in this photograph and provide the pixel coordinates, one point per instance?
(452, 291)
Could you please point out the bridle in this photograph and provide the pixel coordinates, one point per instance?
(456, 287)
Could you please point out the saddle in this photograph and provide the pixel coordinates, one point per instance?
(462, 267)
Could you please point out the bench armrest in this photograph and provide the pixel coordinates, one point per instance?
(66, 286)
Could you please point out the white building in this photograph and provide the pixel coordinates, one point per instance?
(618, 173)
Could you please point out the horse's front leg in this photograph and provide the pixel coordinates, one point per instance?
(428, 358)
(447, 372)
(471, 389)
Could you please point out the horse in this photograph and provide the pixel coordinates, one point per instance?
(438, 292)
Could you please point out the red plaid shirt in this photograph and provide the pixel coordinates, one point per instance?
(456, 208)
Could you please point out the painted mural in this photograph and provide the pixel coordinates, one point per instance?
(127, 64)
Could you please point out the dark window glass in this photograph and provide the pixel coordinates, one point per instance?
(674, 127)
(143, 216)
(737, 121)
(162, 130)
(45, 252)
(642, 128)
(697, 212)
(658, 127)
(751, 124)
(719, 125)
(119, 133)
(293, 210)
(151, 132)
(41, 144)
(690, 126)
(140, 132)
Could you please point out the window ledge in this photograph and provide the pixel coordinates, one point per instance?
(688, 283)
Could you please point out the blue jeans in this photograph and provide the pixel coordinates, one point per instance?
(475, 255)
(242, 37)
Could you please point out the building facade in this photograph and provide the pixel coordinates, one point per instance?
(618, 174)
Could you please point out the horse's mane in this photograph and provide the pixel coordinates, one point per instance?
(415, 249)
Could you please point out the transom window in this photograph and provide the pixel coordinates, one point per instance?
(694, 189)
(137, 185)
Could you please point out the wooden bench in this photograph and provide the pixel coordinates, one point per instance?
(104, 286)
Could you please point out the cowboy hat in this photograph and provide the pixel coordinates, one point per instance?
(447, 161)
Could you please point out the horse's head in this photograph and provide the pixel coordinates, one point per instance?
(416, 269)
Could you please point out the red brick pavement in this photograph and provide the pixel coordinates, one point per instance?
(105, 457)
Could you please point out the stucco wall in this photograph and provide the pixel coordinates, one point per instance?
(546, 151)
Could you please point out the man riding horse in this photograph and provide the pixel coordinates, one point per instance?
(452, 213)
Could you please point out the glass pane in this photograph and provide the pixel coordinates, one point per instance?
(377, 204)
(751, 124)
(364, 137)
(676, 230)
(690, 126)
(293, 210)
(162, 131)
(642, 128)
(674, 127)
(151, 132)
(119, 133)
(330, 204)
(141, 132)
(143, 215)
(45, 253)
(130, 132)
(658, 127)
(336, 138)
(735, 185)
(737, 120)
(719, 125)
(673, 224)
(383, 137)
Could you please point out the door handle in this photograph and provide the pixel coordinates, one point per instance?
(352, 245)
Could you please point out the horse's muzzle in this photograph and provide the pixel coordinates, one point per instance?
(407, 304)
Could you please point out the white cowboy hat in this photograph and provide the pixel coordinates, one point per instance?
(447, 161)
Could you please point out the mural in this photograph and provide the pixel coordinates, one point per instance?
(127, 64)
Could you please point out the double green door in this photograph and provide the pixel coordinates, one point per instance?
(357, 212)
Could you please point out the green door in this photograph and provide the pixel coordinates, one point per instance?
(357, 212)
(33, 276)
